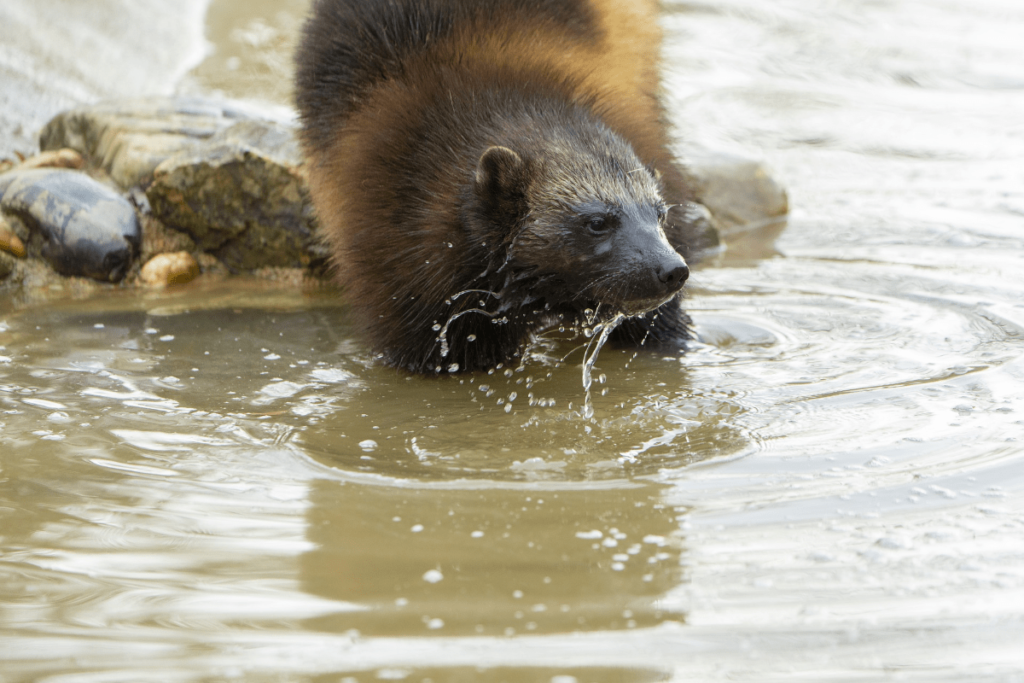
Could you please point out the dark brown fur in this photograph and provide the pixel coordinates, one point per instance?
(482, 168)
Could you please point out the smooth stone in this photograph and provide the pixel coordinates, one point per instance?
(241, 196)
(740, 192)
(169, 269)
(701, 234)
(87, 229)
(128, 139)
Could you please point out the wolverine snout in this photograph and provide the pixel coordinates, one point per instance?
(672, 272)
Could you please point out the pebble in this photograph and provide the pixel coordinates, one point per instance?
(55, 158)
(169, 269)
(10, 242)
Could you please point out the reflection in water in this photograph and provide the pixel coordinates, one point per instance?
(491, 561)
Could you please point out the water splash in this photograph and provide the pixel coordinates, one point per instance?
(443, 336)
(453, 297)
(601, 334)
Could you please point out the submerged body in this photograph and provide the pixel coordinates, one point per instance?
(483, 169)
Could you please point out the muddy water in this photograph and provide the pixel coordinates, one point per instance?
(218, 482)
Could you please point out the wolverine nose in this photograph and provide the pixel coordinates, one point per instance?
(672, 272)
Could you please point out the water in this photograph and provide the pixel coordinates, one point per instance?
(218, 482)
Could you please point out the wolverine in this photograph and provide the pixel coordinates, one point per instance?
(484, 169)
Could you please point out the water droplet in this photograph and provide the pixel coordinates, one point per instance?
(454, 367)
(436, 327)
(512, 396)
(450, 245)
(433, 576)
(368, 445)
(508, 407)
(508, 372)
(471, 338)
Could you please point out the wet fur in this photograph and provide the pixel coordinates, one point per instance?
(398, 101)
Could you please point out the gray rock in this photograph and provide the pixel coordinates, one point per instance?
(85, 228)
(129, 139)
(701, 236)
(7, 265)
(740, 192)
(241, 196)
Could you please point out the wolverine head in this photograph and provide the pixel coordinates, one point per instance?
(583, 220)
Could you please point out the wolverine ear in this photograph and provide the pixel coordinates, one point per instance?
(500, 180)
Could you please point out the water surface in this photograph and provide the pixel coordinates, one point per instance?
(219, 482)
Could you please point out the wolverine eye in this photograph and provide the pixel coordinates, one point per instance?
(600, 225)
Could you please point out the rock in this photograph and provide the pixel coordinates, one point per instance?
(210, 266)
(7, 265)
(129, 139)
(702, 235)
(241, 196)
(169, 269)
(9, 241)
(740, 192)
(58, 158)
(85, 228)
(159, 239)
